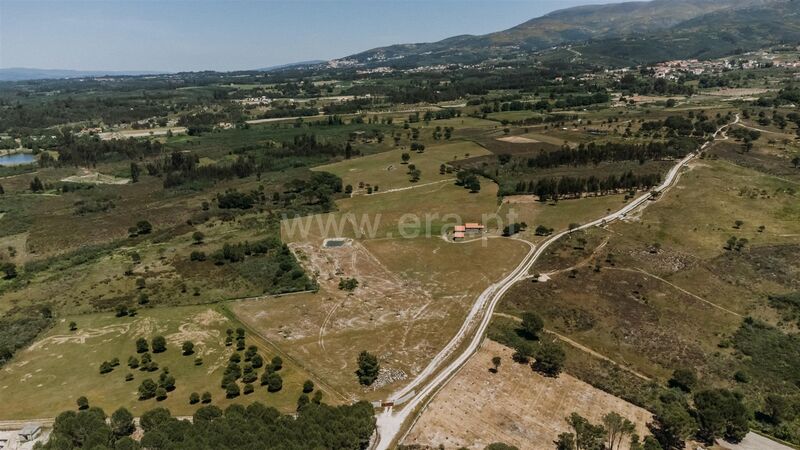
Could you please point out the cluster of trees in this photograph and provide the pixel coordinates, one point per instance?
(27, 115)
(607, 436)
(181, 168)
(595, 153)
(233, 199)
(20, 328)
(316, 425)
(514, 228)
(414, 173)
(442, 114)
(566, 187)
(567, 101)
(469, 180)
(234, 253)
(88, 151)
(159, 390)
(548, 356)
(368, 368)
(290, 110)
(631, 83)
(201, 122)
(245, 369)
(348, 284)
(349, 107)
(788, 305)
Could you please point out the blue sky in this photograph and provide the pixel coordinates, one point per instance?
(173, 35)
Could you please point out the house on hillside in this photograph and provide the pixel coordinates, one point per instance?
(461, 231)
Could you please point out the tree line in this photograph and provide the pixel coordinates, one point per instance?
(595, 153)
(553, 188)
(319, 426)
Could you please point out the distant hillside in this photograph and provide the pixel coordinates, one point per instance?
(603, 24)
(291, 65)
(24, 73)
(712, 35)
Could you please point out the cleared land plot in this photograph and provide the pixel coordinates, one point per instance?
(412, 296)
(90, 177)
(515, 405)
(61, 366)
(518, 140)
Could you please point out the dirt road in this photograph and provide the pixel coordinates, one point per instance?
(419, 392)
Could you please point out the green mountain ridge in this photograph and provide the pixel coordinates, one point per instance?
(628, 29)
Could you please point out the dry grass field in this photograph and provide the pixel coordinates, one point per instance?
(516, 406)
(412, 297)
(659, 290)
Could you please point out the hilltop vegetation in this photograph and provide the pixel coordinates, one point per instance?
(617, 34)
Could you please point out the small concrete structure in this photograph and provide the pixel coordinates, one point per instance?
(30, 432)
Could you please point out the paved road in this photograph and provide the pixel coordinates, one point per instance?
(417, 393)
(754, 441)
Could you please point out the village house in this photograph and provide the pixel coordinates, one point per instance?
(461, 231)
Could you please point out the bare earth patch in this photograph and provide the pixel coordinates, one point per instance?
(516, 406)
(91, 177)
(518, 140)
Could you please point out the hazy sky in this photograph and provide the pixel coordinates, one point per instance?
(173, 35)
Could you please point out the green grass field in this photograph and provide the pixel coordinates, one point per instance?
(387, 171)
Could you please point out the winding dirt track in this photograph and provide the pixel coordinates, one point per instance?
(391, 422)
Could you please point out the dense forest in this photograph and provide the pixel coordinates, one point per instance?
(317, 426)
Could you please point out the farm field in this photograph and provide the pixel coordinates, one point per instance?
(63, 365)
(518, 406)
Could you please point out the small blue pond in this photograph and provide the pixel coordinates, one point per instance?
(17, 159)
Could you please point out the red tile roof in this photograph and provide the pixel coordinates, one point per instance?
(460, 228)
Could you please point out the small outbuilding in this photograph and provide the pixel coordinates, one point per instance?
(30, 432)
(473, 228)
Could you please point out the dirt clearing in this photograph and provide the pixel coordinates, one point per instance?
(518, 140)
(516, 406)
(90, 177)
